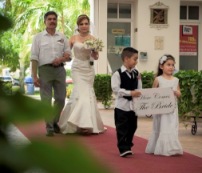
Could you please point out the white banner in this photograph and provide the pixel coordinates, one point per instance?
(155, 101)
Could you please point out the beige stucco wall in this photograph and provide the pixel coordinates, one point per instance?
(99, 20)
(144, 38)
(146, 35)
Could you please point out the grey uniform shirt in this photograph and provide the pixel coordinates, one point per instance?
(46, 47)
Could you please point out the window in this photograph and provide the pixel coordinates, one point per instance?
(189, 12)
(117, 10)
(193, 12)
(112, 11)
(183, 12)
(124, 10)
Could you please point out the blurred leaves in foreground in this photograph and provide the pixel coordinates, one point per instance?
(49, 158)
(5, 23)
(38, 156)
(71, 157)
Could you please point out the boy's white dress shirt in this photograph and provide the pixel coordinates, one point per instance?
(121, 102)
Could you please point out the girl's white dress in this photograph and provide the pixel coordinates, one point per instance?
(164, 138)
(81, 111)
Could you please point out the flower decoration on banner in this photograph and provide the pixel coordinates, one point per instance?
(94, 44)
(163, 59)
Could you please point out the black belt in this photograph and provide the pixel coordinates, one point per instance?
(51, 65)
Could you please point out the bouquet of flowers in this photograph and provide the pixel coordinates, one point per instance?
(94, 45)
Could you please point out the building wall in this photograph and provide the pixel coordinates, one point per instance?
(143, 37)
(146, 35)
(99, 20)
(199, 23)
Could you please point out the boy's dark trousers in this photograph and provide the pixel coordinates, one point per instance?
(126, 125)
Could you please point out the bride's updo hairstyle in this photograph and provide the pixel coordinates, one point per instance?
(81, 18)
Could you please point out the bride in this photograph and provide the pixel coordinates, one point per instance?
(80, 114)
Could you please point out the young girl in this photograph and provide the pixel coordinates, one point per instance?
(164, 137)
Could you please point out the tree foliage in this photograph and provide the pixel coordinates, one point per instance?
(27, 17)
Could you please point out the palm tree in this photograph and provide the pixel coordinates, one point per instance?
(30, 14)
(28, 20)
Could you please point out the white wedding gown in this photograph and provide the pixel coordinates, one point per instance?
(81, 111)
(164, 138)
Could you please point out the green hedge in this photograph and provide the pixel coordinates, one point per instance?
(103, 91)
(190, 102)
(6, 87)
(147, 79)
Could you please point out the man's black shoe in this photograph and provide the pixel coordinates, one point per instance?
(49, 133)
(56, 128)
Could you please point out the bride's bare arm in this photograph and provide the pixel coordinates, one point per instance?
(71, 41)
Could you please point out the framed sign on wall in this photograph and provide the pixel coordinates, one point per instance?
(159, 15)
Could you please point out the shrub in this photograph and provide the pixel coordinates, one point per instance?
(147, 79)
(103, 91)
(190, 102)
(6, 87)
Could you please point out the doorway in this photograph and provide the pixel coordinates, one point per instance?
(120, 22)
(118, 37)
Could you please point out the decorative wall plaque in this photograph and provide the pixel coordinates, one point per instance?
(158, 42)
(159, 15)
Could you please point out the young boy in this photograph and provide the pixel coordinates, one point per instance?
(124, 82)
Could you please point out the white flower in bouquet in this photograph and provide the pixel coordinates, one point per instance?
(94, 44)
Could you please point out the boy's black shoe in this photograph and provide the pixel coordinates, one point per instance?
(49, 133)
(126, 153)
(56, 128)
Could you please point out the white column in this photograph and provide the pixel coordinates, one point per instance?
(98, 16)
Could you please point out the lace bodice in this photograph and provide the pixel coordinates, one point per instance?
(80, 52)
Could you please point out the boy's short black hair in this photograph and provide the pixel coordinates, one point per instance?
(128, 52)
(50, 13)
